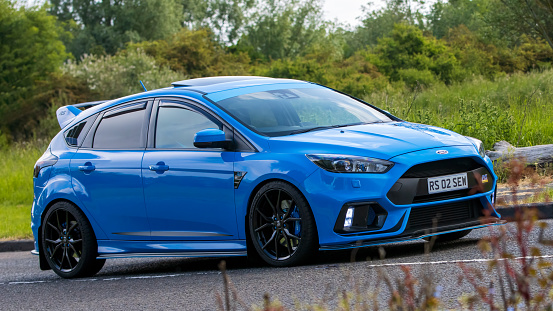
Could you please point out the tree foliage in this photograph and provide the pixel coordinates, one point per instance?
(196, 53)
(226, 19)
(115, 43)
(30, 53)
(409, 56)
(283, 28)
(104, 26)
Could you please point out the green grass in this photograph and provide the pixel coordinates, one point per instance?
(504, 109)
(16, 188)
(15, 222)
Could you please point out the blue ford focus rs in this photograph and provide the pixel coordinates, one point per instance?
(274, 169)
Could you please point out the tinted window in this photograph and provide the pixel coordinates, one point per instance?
(176, 127)
(73, 134)
(120, 131)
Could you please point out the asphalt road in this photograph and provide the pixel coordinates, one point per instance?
(192, 284)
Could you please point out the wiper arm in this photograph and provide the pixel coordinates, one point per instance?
(323, 128)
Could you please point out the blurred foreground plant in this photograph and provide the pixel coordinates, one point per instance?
(524, 281)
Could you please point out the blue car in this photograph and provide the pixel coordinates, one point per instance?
(273, 169)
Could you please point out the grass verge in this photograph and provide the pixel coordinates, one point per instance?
(16, 188)
(15, 222)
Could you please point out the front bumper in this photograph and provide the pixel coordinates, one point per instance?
(417, 235)
(413, 218)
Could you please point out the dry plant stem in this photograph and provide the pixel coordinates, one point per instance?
(415, 94)
(229, 291)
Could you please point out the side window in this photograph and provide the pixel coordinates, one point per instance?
(120, 129)
(76, 134)
(176, 127)
(72, 135)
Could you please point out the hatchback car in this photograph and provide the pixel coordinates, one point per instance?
(232, 166)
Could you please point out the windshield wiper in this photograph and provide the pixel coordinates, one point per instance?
(323, 128)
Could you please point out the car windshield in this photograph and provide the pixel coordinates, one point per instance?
(293, 111)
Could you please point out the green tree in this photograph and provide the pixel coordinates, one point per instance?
(104, 26)
(445, 16)
(530, 17)
(226, 18)
(195, 53)
(30, 52)
(282, 29)
(407, 55)
(379, 23)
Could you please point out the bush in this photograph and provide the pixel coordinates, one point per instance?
(119, 75)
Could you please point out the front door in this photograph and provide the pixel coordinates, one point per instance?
(189, 192)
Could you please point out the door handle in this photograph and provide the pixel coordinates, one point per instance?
(159, 167)
(87, 167)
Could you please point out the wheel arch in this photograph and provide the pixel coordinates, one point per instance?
(42, 259)
(250, 199)
(96, 230)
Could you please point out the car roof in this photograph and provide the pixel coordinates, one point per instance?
(216, 84)
(198, 86)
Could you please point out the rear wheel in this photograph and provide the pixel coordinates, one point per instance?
(68, 242)
(282, 226)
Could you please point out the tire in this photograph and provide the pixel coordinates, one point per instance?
(442, 238)
(69, 243)
(282, 226)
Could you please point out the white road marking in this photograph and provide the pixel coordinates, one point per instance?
(368, 266)
(151, 276)
(29, 282)
(453, 261)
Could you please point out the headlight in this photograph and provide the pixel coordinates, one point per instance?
(479, 145)
(338, 163)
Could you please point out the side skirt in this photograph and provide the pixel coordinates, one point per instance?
(127, 249)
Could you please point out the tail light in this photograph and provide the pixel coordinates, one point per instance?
(47, 159)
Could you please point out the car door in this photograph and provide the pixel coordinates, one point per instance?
(189, 192)
(106, 171)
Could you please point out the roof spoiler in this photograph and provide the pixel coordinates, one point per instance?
(66, 114)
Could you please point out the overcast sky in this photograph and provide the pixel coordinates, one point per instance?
(347, 11)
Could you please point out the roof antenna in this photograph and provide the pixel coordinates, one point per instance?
(145, 90)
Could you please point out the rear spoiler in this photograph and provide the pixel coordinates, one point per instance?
(66, 114)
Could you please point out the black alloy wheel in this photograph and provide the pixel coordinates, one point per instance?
(282, 227)
(68, 242)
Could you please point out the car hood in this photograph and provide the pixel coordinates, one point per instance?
(379, 140)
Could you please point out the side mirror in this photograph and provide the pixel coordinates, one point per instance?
(211, 138)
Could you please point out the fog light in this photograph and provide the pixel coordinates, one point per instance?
(359, 217)
(349, 218)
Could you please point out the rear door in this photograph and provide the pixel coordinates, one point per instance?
(107, 175)
(189, 192)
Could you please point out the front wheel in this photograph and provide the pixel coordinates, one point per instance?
(282, 227)
(69, 243)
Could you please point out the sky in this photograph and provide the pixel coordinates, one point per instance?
(346, 11)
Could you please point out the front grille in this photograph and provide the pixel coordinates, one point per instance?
(442, 215)
(441, 196)
(442, 167)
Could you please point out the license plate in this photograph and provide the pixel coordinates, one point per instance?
(447, 183)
